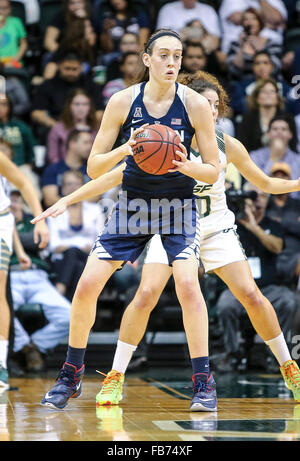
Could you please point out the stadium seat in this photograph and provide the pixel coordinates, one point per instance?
(292, 39)
(18, 10)
(31, 317)
(49, 9)
(21, 74)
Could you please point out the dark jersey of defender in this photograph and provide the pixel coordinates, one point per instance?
(138, 183)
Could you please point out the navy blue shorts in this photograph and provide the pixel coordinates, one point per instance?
(134, 222)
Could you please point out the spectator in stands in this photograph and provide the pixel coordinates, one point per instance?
(176, 15)
(280, 135)
(194, 60)
(297, 121)
(71, 29)
(263, 68)
(274, 13)
(265, 102)
(13, 42)
(286, 210)
(262, 239)
(129, 42)
(31, 285)
(17, 133)
(194, 31)
(17, 93)
(242, 51)
(121, 17)
(50, 97)
(194, 57)
(293, 14)
(79, 113)
(291, 61)
(72, 235)
(19, 139)
(291, 71)
(129, 68)
(78, 145)
(32, 11)
(26, 169)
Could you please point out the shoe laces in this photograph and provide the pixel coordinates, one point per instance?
(111, 381)
(66, 377)
(199, 385)
(293, 373)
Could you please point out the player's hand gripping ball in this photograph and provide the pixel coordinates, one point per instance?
(155, 149)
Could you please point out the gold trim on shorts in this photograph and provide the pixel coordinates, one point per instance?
(5, 255)
(5, 212)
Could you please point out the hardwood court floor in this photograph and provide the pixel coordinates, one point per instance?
(155, 408)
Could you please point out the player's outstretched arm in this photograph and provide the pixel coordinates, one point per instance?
(91, 189)
(239, 156)
(23, 258)
(16, 177)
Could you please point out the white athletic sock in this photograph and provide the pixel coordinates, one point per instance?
(279, 348)
(123, 356)
(3, 352)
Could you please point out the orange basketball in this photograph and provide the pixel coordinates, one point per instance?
(155, 149)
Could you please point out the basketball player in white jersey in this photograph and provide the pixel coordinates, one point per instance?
(220, 251)
(10, 173)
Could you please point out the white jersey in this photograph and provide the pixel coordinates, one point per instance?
(214, 212)
(7, 221)
(219, 242)
(4, 193)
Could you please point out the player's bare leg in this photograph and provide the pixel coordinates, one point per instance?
(135, 318)
(263, 318)
(83, 312)
(261, 312)
(133, 326)
(195, 319)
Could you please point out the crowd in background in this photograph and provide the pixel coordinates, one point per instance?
(60, 62)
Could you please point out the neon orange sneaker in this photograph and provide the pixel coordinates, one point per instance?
(291, 375)
(111, 391)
